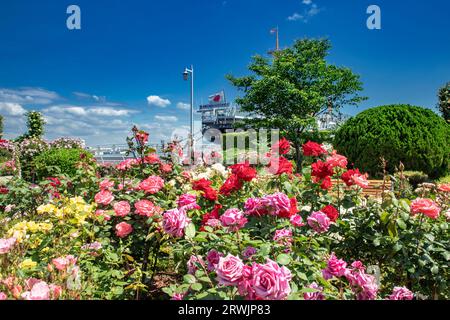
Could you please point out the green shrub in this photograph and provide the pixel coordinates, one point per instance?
(416, 177)
(59, 161)
(400, 133)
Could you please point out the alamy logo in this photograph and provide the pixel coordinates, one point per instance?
(374, 20)
(74, 20)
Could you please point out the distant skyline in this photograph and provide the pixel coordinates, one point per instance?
(125, 65)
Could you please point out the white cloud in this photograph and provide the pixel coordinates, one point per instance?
(89, 111)
(158, 101)
(296, 16)
(307, 14)
(28, 96)
(89, 96)
(11, 109)
(166, 118)
(183, 106)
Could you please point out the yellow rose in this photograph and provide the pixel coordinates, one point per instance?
(27, 264)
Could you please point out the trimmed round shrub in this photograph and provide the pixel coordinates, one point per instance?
(416, 136)
(59, 161)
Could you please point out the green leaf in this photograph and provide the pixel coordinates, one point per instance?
(435, 269)
(401, 224)
(197, 286)
(189, 278)
(190, 231)
(284, 259)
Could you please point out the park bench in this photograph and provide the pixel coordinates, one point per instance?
(375, 188)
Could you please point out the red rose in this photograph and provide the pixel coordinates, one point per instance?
(326, 184)
(214, 214)
(279, 166)
(244, 171)
(232, 184)
(142, 137)
(321, 170)
(210, 194)
(331, 212)
(354, 177)
(292, 211)
(313, 149)
(281, 147)
(201, 185)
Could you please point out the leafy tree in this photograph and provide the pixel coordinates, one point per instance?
(444, 101)
(297, 85)
(35, 125)
(415, 136)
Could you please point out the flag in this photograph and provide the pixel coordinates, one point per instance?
(274, 30)
(217, 98)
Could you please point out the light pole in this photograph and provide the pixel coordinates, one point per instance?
(191, 138)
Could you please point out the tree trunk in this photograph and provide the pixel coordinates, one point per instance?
(298, 157)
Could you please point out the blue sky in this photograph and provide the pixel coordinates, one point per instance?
(94, 82)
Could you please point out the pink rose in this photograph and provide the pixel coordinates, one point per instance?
(106, 184)
(55, 291)
(123, 229)
(104, 197)
(146, 208)
(249, 252)
(213, 259)
(314, 295)
(270, 281)
(166, 167)
(194, 263)
(401, 293)
(6, 245)
(188, 202)
(444, 187)
(335, 268)
(178, 296)
(426, 207)
(276, 203)
(102, 213)
(229, 270)
(39, 291)
(122, 208)
(175, 221)
(336, 160)
(297, 221)
(283, 236)
(3, 296)
(319, 221)
(233, 219)
(63, 263)
(152, 184)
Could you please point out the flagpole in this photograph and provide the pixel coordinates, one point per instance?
(278, 41)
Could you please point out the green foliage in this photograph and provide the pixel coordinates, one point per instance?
(59, 161)
(289, 91)
(444, 101)
(35, 125)
(415, 136)
(416, 177)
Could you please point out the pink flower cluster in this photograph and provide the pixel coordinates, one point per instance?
(6, 245)
(175, 221)
(146, 208)
(401, 293)
(266, 281)
(319, 221)
(152, 184)
(40, 290)
(283, 237)
(277, 204)
(63, 263)
(363, 285)
(233, 219)
(104, 197)
(188, 202)
(425, 206)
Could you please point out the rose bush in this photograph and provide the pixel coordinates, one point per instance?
(149, 229)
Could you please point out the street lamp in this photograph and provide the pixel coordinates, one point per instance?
(191, 138)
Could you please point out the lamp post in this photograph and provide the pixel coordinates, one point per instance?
(186, 73)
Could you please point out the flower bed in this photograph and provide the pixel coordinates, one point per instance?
(149, 229)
